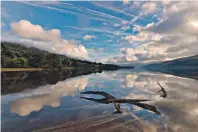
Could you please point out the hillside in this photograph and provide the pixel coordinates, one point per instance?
(185, 67)
(185, 62)
(14, 55)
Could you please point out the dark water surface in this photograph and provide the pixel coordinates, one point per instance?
(50, 100)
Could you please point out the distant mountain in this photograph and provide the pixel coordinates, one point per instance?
(15, 55)
(185, 67)
(185, 62)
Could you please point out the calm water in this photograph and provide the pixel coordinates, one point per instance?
(31, 101)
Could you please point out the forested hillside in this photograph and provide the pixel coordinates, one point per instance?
(17, 56)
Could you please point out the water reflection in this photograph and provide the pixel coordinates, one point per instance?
(58, 103)
(163, 91)
(182, 115)
(35, 99)
(108, 98)
(180, 108)
(175, 86)
(14, 82)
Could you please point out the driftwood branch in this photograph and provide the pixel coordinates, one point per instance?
(108, 98)
(164, 93)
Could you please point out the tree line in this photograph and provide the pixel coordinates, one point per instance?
(14, 55)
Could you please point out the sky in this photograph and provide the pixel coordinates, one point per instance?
(121, 32)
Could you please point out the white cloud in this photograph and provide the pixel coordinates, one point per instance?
(28, 30)
(129, 54)
(165, 2)
(136, 3)
(148, 7)
(125, 2)
(146, 53)
(126, 55)
(88, 37)
(143, 36)
(116, 25)
(148, 25)
(140, 37)
(180, 22)
(49, 40)
(137, 28)
(179, 29)
(174, 36)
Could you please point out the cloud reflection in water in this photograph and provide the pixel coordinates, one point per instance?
(49, 95)
(180, 108)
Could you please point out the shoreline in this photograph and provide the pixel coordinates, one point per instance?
(20, 69)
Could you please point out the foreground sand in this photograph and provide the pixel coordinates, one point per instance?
(105, 123)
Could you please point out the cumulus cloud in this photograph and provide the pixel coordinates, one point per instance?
(165, 2)
(148, 7)
(49, 40)
(139, 28)
(143, 36)
(125, 2)
(88, 37)
(49, 95)
(26, 29)
(174, 36)
(145, 54)
(140, 37)
(136, 28)
(128, 54)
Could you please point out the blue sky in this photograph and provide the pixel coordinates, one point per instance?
(115, 32)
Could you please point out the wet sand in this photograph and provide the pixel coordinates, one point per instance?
(125, 122)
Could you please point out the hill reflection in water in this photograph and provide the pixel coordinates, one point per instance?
(14, 82)
(58, 106)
